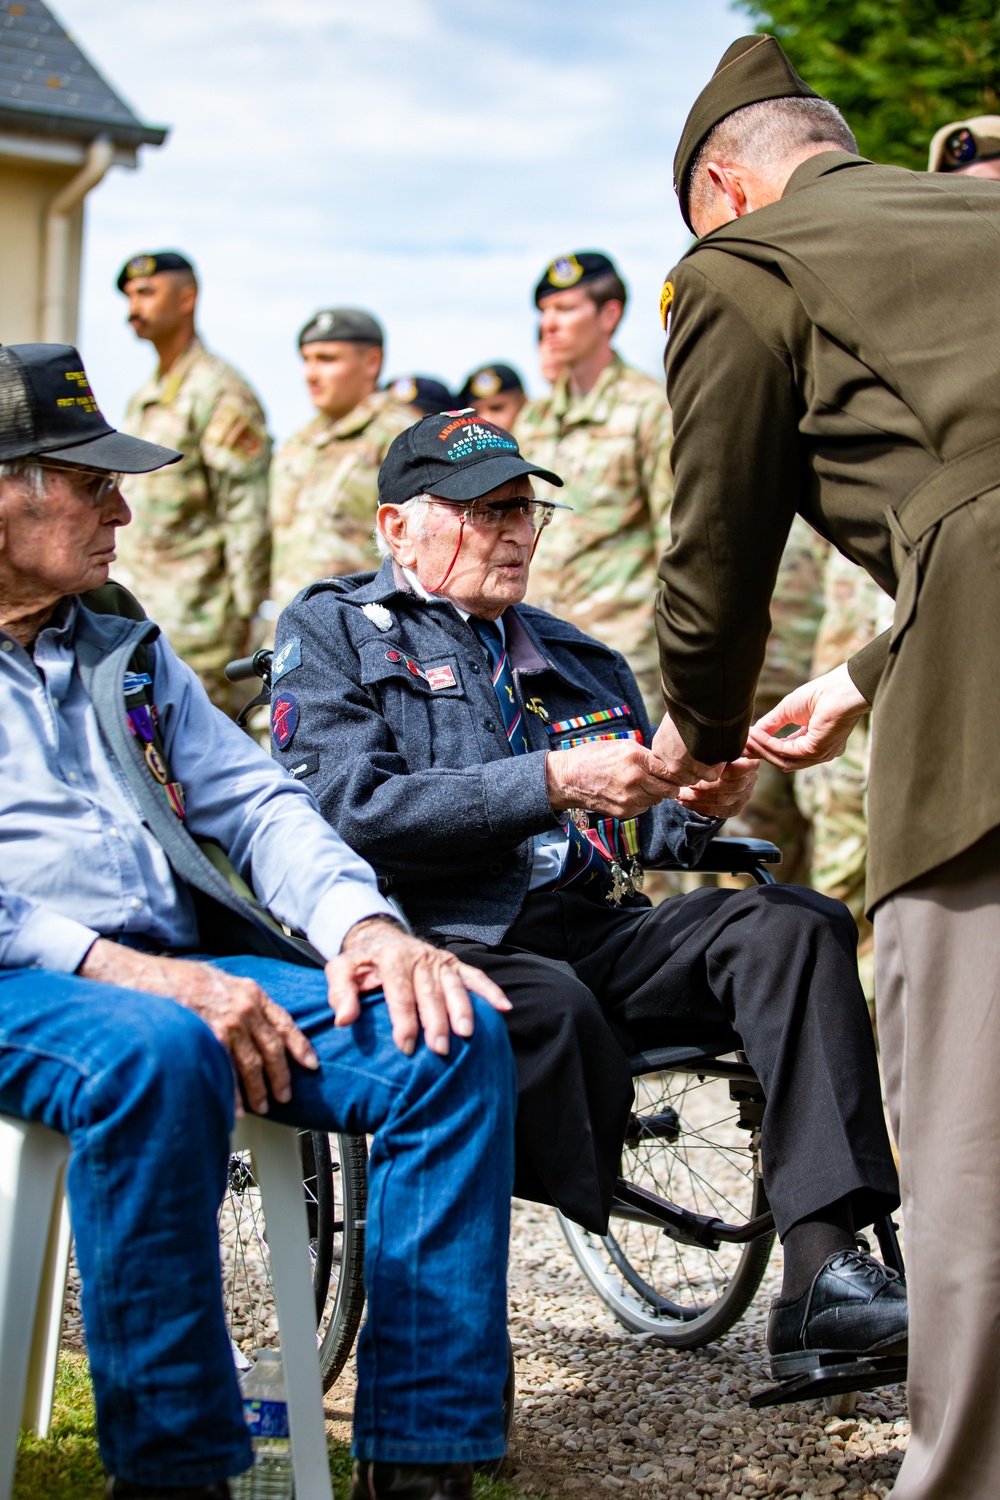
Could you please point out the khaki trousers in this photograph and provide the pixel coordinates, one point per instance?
(937, 948)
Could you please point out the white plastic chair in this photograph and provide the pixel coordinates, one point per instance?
(34, 1253)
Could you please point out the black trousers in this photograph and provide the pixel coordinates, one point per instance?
(776, 964)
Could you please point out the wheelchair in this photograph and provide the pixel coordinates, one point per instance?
(691, 1232)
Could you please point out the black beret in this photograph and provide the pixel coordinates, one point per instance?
(422, 391)
(151, 261)
(962, 142)
(487, 381)
(573, 270)
(341, 325)
(751, 70)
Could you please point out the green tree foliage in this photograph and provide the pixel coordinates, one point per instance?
(898, 69)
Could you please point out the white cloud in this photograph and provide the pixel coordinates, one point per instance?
(422, 159)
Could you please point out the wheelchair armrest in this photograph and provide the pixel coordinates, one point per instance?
(737, 856)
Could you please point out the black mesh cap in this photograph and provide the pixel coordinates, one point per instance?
(48, 409)
(456, 455)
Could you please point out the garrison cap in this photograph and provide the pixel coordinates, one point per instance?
(490, 380)
(573, 270)
(455, 455)
(964, 141)
(149, 262)
(47, 410)
(753, 69)
(341, 325)
(422, 391)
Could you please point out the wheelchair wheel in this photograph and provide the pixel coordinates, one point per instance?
(334, 1182)
(684, 1144)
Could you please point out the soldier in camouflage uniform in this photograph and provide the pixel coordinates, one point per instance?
(197, 551)
(834, 795)
(605, 427)
(324, 490)
(796, 612)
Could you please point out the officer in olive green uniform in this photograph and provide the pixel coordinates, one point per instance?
(605, 427)
(834, 795)
(323, 480)
(197, 551)
(835, 350)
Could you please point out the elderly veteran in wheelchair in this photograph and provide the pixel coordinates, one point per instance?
(491, 761)
(141, 998)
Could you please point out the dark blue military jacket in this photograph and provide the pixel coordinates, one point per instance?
(385, 702)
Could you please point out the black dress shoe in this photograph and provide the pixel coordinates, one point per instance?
(124, 1489)
(854, 1308)
(375, 1481)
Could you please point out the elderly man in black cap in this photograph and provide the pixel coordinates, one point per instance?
(323, 480)
(493, 762)
(834, 352)
(198, 549)
(123, 1027)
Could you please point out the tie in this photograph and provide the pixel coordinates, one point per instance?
(580, 857)
(491, 637)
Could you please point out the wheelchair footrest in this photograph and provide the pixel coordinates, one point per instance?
(831, 1379)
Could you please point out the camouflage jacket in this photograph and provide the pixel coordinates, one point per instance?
(596, 565)
(197, 551)
(796, 611)
(324, 494)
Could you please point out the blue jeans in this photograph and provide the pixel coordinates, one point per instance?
(145, 1094)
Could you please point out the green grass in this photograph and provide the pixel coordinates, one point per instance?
(65, 1465)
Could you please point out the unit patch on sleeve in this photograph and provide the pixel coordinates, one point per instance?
(287, 659)
(284, 719)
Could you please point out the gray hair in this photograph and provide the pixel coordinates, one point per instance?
(415, 508)
(31, 475)
(764, 135)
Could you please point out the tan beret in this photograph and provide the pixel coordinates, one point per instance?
(964, 141)
(753, 69)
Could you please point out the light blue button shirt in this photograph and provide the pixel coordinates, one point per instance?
(77, 861)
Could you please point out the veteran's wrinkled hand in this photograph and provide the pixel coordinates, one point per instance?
(618, 778)
(426, 989)
(258, 1034)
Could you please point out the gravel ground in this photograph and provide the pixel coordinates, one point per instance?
(600, 1409)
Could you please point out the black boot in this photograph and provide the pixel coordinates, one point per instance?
(375, 1481)
(855, 1307)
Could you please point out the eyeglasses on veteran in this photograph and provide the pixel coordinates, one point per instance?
(98, 483)
(491, 517)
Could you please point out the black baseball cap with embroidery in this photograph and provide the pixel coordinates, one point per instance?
(148, 262)
(47, 410)
(573, 270)
(456, 456)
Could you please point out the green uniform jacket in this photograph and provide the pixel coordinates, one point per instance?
(837, 353)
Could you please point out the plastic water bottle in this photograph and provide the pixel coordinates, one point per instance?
(266, 1410)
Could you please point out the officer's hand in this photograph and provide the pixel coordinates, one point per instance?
(425, 988)
(618, 778)
(728, 795)
(826, 710)
(678, 763)
(255, 1031)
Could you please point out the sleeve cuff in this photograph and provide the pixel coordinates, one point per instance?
(342, 907)
(867, 665)
(47, 940)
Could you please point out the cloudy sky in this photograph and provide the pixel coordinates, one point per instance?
(422, 159)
